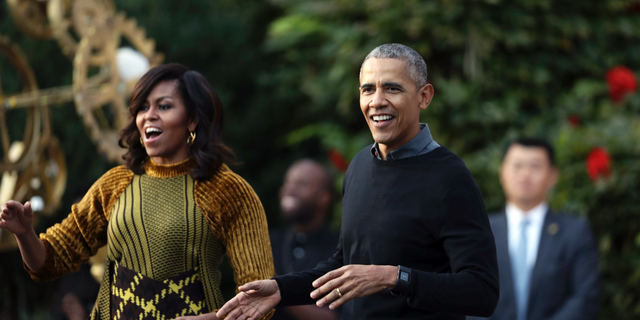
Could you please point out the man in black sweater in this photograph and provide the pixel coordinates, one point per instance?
(415, 241)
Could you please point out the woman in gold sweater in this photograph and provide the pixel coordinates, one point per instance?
(167, 216)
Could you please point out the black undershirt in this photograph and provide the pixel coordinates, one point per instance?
(425, 213)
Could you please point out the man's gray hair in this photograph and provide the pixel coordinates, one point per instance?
(416, 66)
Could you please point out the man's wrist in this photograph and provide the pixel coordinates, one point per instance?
(403, 281)
(277, 290)
(391, 277)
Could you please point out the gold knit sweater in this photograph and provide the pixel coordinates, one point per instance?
(160, 224)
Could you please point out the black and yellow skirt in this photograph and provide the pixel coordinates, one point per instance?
(136, 296)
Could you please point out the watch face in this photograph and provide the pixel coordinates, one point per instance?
(404, 276)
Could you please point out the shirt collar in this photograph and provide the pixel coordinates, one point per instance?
(536, 215)
(410, 149)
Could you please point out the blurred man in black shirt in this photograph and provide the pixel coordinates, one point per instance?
(305, 202)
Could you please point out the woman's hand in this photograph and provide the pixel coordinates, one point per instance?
(17, 218)
(254, 300)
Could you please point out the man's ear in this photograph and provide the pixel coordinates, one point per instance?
(426, 95)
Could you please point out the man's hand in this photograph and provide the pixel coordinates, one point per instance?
(254, 300)
(207, 316)
(353, 281)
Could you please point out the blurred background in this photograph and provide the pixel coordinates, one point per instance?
(287, 73)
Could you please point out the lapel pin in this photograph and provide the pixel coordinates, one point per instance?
(553, 228)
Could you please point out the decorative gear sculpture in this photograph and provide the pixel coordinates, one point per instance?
(31, 17)
(33, 114)
(44, 180)
(32, 165)
(85, 16)
(101, 94)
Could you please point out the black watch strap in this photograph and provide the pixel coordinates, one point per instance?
(402, 282)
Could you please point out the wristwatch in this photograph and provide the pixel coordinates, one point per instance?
(402, 282)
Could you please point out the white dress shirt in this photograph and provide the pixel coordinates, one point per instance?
(536, 221)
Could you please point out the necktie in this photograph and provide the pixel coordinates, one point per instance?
(522, 272)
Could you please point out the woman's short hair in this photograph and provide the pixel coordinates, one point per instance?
(202, 103)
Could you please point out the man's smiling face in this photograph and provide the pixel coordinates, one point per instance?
(391, 103)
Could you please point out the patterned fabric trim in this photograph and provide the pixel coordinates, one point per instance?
(136, 296)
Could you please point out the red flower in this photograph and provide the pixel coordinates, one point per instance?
(621, 81)
(338, 160)
(574, 120)
(598, 163)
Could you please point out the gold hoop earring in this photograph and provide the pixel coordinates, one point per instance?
(142, 143)
(192, 138)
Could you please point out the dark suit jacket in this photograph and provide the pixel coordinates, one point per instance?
(564, 280)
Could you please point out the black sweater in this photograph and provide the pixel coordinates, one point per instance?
(425, 213)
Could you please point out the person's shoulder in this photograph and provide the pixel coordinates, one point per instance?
(574, 223)
(449, 171)
(116, 176)
(439, 162)
(225, 178)
(571, 230)
(117, 172)
(449, 160)
(226, 188)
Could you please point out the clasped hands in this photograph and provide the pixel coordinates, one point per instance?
(336, 287)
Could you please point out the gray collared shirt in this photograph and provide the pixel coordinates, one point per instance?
(419, 145)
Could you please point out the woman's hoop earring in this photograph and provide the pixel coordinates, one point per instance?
(192, 138)
(142, 143)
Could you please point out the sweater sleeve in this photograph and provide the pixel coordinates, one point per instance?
(236, 216)
(73, 241)
(472, 286)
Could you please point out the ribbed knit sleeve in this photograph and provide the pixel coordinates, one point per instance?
(79, 236)
(236, 217)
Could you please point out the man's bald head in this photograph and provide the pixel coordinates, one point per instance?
(316, 170)
(306, 192)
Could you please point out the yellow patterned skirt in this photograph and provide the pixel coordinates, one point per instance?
(136, 296)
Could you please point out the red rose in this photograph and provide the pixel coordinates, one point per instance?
(598, 163)
(621, 81)
(574, 120)
(338, 160)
